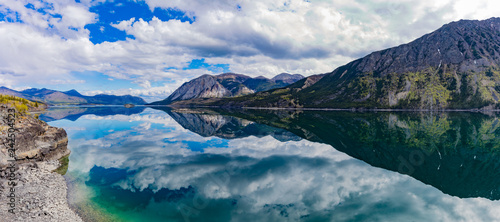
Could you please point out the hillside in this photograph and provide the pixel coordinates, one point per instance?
(454, 67)
(226, 85)
(71, 97)
(20, 104)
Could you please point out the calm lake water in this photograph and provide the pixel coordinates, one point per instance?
(145, 164)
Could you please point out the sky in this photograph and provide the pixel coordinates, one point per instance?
(148, 48)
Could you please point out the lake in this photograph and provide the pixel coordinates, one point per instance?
(159, 164)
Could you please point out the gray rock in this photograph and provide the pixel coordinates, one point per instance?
(40, 193)
(34, 139)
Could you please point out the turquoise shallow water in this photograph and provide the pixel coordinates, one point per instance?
(144, 164)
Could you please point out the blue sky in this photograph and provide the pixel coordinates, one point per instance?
(116, 11)
(149, 48)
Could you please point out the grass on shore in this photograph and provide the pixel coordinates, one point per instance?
(64, 161)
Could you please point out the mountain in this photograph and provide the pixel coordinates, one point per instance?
(51, 96)
(227, 85)
(287, 79)
(115, 100)
(73, 93)
(454, 67)
(280, 97)
(72, 97)
(6, 91)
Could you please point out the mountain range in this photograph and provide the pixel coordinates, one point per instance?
(71, 97)
(73, 113)
(454, 67)
(227, 85)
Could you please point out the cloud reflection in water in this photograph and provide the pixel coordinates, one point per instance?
(143, 166)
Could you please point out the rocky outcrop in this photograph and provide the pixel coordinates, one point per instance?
(40, 193)
(310, 80)
(35, 140)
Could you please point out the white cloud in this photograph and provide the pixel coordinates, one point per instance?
(259, 38)
(78, 17)
(62, 81)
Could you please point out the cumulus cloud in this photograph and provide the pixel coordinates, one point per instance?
(252, 37)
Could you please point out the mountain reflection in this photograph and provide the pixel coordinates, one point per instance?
(74, 112)
(455, 152)
(206, 124)
(257, 165)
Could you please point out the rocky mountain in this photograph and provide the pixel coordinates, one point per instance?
(287, 79)
(281, 97)
(72, 97)
(454, 67)
(227, 85)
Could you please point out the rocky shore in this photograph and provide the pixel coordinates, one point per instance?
(39, 194)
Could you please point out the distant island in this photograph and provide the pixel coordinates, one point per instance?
(71, 97)
(454, 67)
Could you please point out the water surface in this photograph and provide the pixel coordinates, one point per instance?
(145, 164)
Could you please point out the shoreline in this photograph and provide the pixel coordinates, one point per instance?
(41, 195)
(30, 189)
(333, 109)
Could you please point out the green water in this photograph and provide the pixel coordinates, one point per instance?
(146, 164)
